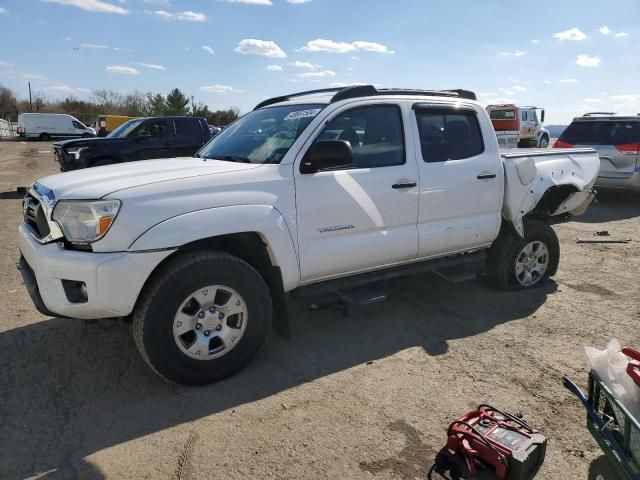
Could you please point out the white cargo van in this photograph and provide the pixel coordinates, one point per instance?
(49, 125)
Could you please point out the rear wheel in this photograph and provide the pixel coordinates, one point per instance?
(202, 317)
(45, 137)
(515, 262)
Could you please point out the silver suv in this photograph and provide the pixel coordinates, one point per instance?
(617, 140)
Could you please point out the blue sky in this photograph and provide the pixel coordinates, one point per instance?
(568, 56)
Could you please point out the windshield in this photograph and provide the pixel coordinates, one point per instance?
(502, 114)
(125, 129)
(262, 136)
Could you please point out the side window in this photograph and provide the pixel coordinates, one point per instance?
(188, 127)
(448, 135)
(153, 128)
(77, 125)
(375, 134)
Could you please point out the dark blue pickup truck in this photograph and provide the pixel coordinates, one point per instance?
(138, 139)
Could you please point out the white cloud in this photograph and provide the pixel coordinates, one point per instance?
(123, 70)
(92, 45)
(587, 61)
(266, 48)
(573, 34)
(4, 11)
(64, 88)
(568, 81)
(518, 88)
(32, 76)
(604, 30)
(251, 2)
(548, 82)
(309, 65)
(621, 34)
(627, 98)
(322, 45)
(330, 46)
(186, 16)
(5, 64)
(312, 75)
(515, 53)
(219, 89)
(207, 48)
(164, 3)
(274, 68)
(535, 41)
(372, 47)
(92, 6)
(592, 100)
(152, 66)
(298, 2)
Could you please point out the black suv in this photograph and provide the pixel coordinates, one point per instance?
(138, 139)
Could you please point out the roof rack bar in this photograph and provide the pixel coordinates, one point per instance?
(284, 98)
(589, 114)
(358, 91)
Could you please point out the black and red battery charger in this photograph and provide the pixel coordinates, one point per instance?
(488, 438)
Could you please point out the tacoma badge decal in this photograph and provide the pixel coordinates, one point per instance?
(335, 228)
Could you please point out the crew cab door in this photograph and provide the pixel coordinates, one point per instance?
(362, 216)
(152, 140)
(461, 179)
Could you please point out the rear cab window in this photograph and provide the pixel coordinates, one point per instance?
(602, 132)
(448, 134)
(188, 127)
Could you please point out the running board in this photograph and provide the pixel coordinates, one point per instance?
(448, 268)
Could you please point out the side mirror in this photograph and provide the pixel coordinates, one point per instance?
(327, 154)
(542, 116)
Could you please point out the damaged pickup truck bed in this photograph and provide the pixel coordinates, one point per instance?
(307, 189)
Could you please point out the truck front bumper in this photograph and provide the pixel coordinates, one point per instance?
(111, 282)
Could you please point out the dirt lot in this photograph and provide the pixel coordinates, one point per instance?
(363, 396)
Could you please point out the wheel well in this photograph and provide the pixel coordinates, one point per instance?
(552, 199)
(250, 247)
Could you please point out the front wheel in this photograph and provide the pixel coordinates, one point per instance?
(600, 469)
(202, 317)
(515, 262)
(544, 142)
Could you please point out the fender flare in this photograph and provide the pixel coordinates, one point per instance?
(264, 220)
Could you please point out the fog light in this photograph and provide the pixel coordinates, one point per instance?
(75, 291)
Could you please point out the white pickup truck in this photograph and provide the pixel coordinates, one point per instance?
(310, 189)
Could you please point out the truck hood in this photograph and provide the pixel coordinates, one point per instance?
(97, 182)
(91, 142)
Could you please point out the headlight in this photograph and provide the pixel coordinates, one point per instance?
(85, 221)
(76, 151)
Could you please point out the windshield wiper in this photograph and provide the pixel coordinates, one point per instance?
(229, 158)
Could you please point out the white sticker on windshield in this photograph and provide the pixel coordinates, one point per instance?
(303, 114)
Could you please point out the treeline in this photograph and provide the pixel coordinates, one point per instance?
(112, 102)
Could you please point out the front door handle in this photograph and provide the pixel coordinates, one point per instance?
(404, 185)
(486, 176)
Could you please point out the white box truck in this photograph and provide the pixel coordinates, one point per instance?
(46, 126)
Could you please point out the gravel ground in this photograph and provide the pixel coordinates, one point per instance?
(366, 395)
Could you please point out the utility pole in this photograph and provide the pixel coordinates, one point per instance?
(193, 106)
(30, 104)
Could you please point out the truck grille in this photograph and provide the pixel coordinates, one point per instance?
(61, 157)
(34, 216)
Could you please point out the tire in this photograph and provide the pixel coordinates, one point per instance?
(600, 469)
(544, 141)
(509, 266)
(159, 310)
(45, 137)
(103, 162)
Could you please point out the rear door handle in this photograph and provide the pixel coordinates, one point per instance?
(486, 176)
(404, 185)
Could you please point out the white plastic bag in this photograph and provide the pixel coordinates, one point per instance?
(611, 367)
